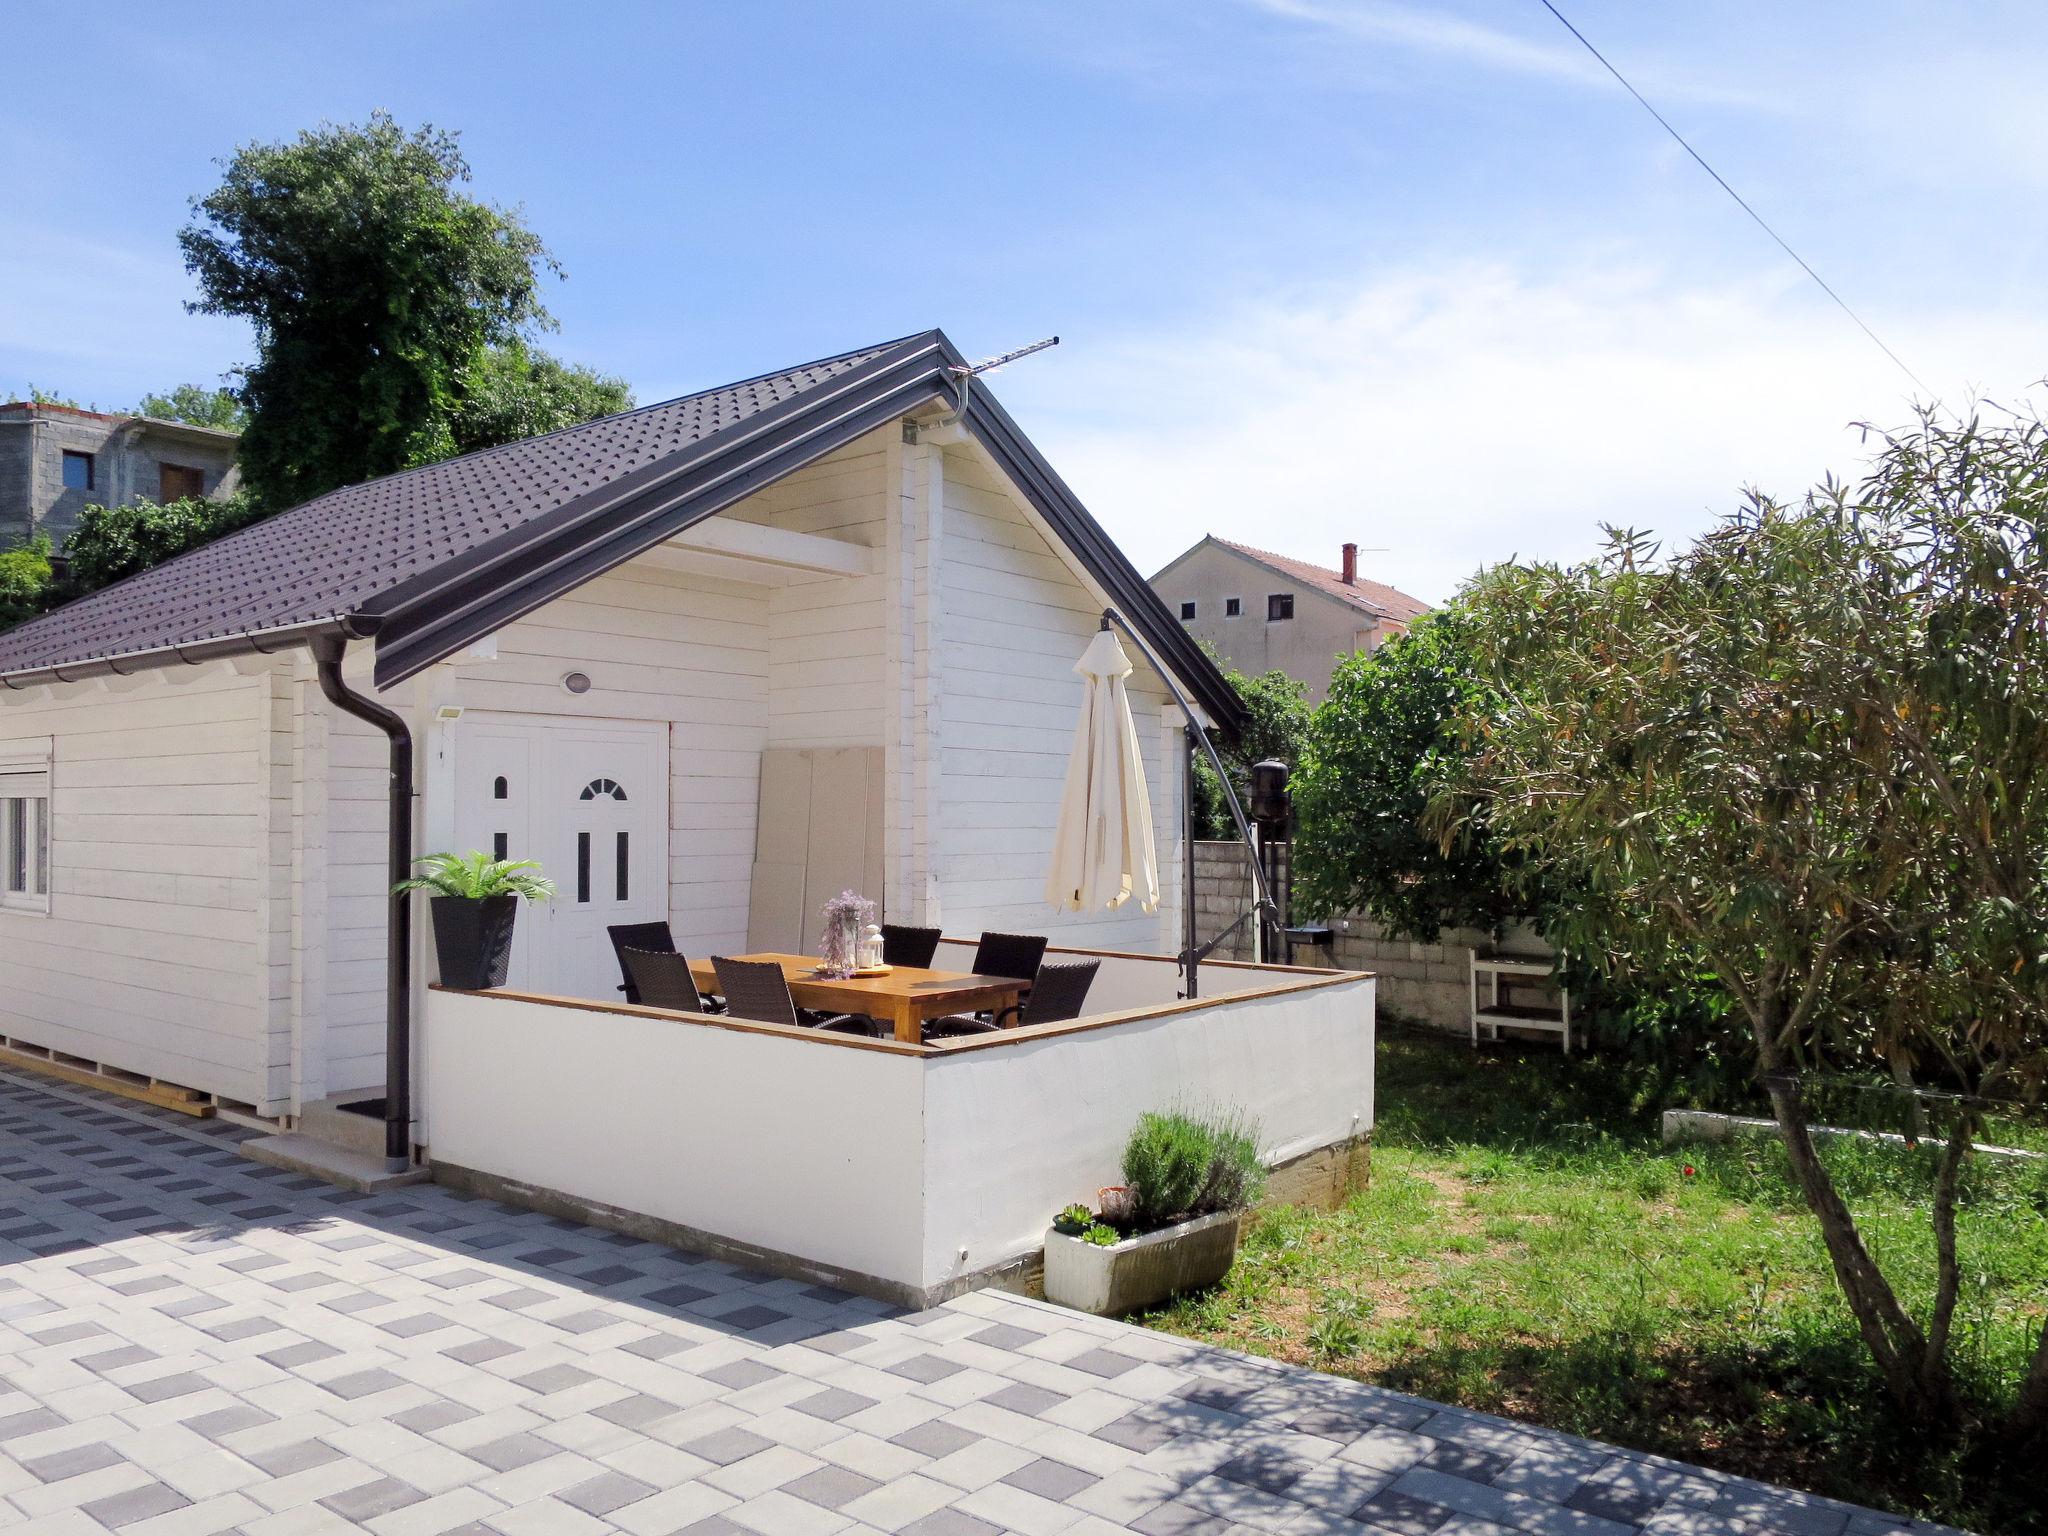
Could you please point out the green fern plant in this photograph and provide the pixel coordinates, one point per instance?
(478, 877)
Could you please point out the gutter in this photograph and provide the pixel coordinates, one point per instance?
(260, 642)
(328, 650)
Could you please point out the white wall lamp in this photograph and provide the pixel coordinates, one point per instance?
(576, 682)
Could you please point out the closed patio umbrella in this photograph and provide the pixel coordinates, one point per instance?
(1102, 852)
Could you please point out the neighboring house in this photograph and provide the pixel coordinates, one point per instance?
(57, 459)
(1263, 612)
(710, 661)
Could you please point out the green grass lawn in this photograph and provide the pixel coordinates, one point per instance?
(1528, 1247)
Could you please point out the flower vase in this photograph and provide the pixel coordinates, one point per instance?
(841, 944)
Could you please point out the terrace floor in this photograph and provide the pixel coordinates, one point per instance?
(192, 1343)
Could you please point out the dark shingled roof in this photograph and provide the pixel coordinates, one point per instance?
(331, 556)
(431, 559)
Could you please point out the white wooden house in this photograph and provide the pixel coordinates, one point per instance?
(710, 661)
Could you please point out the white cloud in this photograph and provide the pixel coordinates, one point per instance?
(1542, 50)
(1470, 413)
(1438, 31)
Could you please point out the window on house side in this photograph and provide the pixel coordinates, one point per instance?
(176, 482)
(1232, 607)
(77, 471)
(1187, 611)
(1280, 605)
(24, 839)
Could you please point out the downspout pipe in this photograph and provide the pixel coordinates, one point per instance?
(1263, 906)
(328, 650)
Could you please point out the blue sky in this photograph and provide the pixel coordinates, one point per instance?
(1416, 275)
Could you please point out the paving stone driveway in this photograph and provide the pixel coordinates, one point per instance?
(193, 1343)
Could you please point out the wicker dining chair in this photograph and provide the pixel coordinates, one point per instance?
(757, 989)
(1059, 994)
(653, 938)
(661, 979)
(1015, 955)
(913, 947)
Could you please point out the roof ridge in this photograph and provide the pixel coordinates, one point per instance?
(80, 627)
(476, 454)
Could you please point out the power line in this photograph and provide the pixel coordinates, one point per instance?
(1761, 222)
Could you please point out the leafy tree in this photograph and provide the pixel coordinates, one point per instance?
(515, 391)
(1378, 749)
(24, 582)
(198, 406)
(1279, 715)
(1812, 751)
(110, 543)
(375, 288)
(45, 397)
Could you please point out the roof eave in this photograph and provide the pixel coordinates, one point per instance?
(264, 642)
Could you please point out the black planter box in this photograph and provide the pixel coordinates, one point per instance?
(473, 940)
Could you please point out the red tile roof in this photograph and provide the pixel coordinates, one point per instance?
(1375, 597)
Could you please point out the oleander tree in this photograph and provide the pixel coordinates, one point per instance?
(1810, 754)
(1386, 740)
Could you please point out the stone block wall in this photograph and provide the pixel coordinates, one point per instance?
(129, 455)
(1430, 983)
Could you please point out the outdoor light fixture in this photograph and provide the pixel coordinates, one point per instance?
(1269, 793)
(577, 682)
(448, 714)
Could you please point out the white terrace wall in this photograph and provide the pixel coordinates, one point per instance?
(919, 1172)
(167, 947)
(1016, 1132)
(1429, 983)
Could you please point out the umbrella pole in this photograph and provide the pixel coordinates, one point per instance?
(1262, 898)
(1187, 843)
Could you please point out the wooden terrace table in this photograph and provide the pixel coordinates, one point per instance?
(905, 998)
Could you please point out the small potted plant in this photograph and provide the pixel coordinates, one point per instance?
(1171, 1227)
(476, 899)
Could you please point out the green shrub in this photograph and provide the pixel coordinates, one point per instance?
(24, 583)
(111, 543)
(1181, 1165)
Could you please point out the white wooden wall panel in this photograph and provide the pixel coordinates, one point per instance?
(1015, 620)
(828, 645)
(157, 955)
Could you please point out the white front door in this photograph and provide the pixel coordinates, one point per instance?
(588, 799)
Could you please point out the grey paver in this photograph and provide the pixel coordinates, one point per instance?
(832, 1486)
(540, 1378)
(75, 1462)
(133, 1504)
(366, 1501)
(1051, 1479)
(606, 1492)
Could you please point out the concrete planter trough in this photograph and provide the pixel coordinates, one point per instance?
(1140, 1271)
